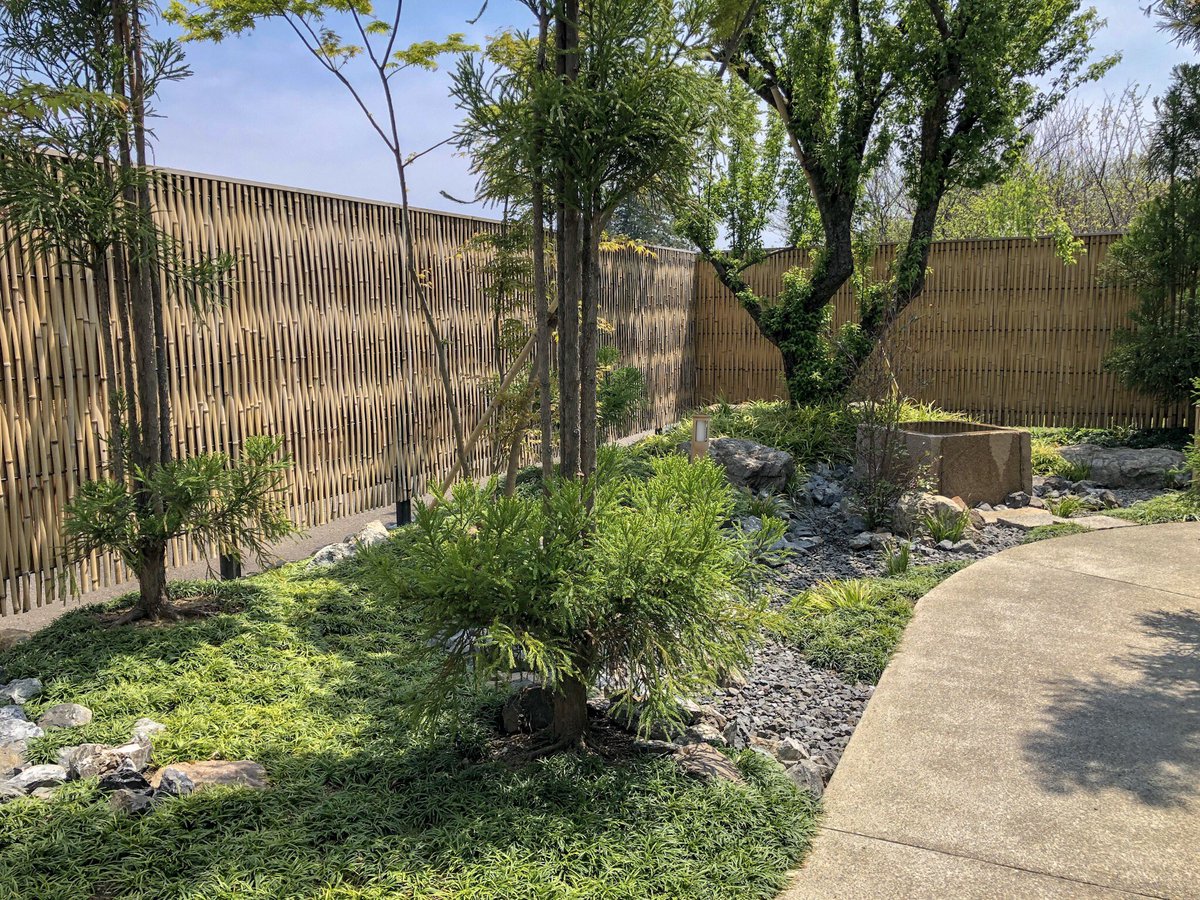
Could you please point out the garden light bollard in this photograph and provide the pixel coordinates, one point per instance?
(699, 446)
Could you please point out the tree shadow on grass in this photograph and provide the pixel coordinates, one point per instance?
(1137, 732)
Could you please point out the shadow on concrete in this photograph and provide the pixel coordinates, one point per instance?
(1134, 727)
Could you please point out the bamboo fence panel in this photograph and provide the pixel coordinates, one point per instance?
(1004, 330)
(316, 343)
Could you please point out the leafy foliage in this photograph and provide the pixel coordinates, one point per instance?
(618, 576)
(1159, 257)
(1065, 507)
(236, 506)
(1173, 506)
(943, 525)
(300, 670)
(854, 626)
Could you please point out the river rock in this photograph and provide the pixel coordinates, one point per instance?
(65, 715)
(20, 691)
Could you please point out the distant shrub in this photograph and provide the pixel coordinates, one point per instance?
(944, 525)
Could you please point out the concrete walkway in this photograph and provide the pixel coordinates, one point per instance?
(1036, 736)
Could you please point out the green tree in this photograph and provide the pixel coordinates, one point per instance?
(1159, 256)
(620, 118)
(953, 84)
(374, 45)
(79, 80)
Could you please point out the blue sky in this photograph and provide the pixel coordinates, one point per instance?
(258, 108)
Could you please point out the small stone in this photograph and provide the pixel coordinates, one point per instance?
(144, 729)
(965, 546)
(82, 760)
(861, 541)
(35, 777)
(807, 776)
(124, 778)
(707, 764)
(791, 750)
(20, 691)
(1017, 500)
(65, 715)
(1037, 502)
(12, 758)
(13, 712)
(703, 733)
(244, 773)
(946, 544)
(176, 783)
(331, 555)
(369, 535)
(14, 730)
(133, 803)
(9, 792)
(10, 637)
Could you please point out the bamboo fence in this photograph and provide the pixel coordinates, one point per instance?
(315, 344)
(1004, 330)
(318, 345)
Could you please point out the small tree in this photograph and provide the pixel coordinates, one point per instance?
(374, 42)
(1159, 256)
(80, 78)
(661, 597)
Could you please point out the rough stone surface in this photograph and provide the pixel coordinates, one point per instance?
(65, 715)
(38, 776)
(809, 776)
(124, 777)
(91, 760)
(12, 711)
(369, 535)
(10, 637)
(12, 758)
(175, 782)
(145, 729)
(12, 730)
(332, 555)
(752, 466)
(219, 773)
(528, 710)
(130, 802)
(707, 763)
(20, 691)
(1124, 466)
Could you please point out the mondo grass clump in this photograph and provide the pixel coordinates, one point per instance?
(1046, 532)
(305, 671)
(853, 626)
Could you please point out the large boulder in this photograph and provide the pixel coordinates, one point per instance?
(755, 467)
(242, 773)
(1124, 466)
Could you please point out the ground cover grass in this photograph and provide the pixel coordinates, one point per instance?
(853, 627)
(306, 673)
(1045, 532)
(1173, 506)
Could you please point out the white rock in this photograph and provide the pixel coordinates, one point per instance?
(369, 535)
(35, 777)
(13, 712)
(144, 729)
(331, 555)
(13, 730)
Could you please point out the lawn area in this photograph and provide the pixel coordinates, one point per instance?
(306, 673)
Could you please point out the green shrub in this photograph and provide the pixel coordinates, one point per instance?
(1048, 461)
(615, 574)
(944, 525)
(1065, 507)
(896, 562)
(765, 506)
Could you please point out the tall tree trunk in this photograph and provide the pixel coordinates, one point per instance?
(541, 303)
(589, 344)
(569, 375)
(152, 583)
(100, 278)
